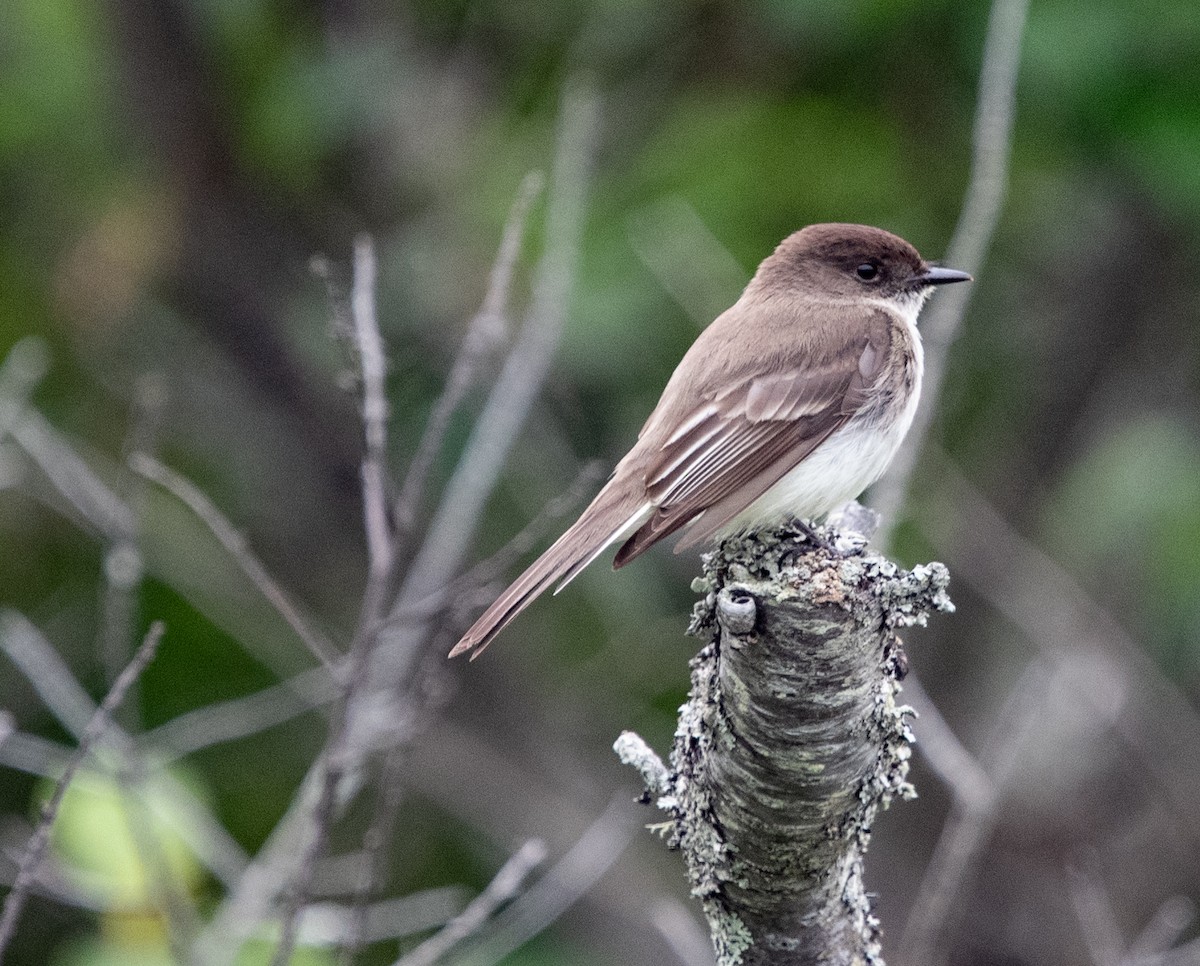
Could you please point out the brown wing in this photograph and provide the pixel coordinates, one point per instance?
(743, 439)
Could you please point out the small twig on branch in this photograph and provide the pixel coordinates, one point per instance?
(89, 496)
(1046, 603)
(506, 884)
(124, 566)
(238, 548)
(15, 900)
(472, 581)
(995, 110)
(486, 330)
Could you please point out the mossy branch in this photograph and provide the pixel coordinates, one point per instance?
(790, 742)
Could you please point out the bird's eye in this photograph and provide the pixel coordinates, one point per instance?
(867, 272)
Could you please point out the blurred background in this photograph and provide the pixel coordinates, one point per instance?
(181, 182)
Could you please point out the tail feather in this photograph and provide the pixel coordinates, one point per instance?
(612, 516)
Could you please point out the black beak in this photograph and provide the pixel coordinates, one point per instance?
(935, 275)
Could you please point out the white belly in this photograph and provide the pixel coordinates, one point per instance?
(836, 471)
(840, 468)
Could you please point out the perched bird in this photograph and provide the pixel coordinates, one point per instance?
(790, 403)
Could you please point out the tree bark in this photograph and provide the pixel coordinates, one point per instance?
(790, 742)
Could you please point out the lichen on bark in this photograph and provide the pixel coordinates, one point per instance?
(791, 740)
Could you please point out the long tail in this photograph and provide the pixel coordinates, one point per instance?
(617, 511)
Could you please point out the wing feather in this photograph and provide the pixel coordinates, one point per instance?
(740, 441)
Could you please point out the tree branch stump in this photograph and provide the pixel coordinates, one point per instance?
(790, 742)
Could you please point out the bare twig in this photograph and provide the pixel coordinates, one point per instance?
(992, 144)
(1030, 589)
(182, 812)
(45, 669)
(950, 761)
(372, 861)
(62, 693)
(515, 390)
(337, 758)
(236, 718)
(298, 838)
(673, 242)
(331, 923)
(123, 563)
(483, 907)
(565, 884)
(38, 843)
(23, 369)
(89, 496)
(485, 331)
(1168, 923)
(971, 821)
(236, 545)
(520, 543)
(1093, 909)
(252, 896)
(371, 357)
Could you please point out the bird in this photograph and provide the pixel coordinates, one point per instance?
(789, 404)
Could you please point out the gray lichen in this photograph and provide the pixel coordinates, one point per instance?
(790, 742)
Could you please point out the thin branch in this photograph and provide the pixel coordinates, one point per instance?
(513, 395)
(950, 761)
(972, 819)
(566, 883)
(371, 357)
(237, 718)
(124, 566)
(507, 884)
(250, 899)
(490, 568)
(1097, 922)
(995, 111)
(239, 549)
(15, 900)
(674, 243)
(486, 330)
(1040, 598)
(336, 758)
(23, 368)
(372, 860)
(95, 503)
(298, 838)
(181, 811)
(45, 669)
(1168, 923)
(330, 923)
